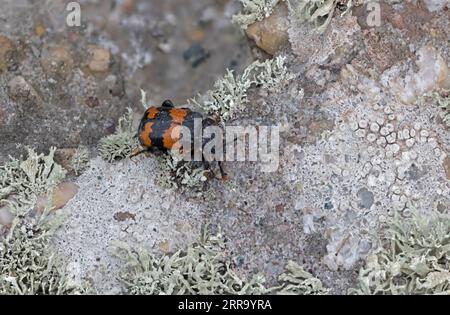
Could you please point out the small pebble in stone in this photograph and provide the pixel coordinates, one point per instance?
(381, 141)
(99, 60)
(366, 198)
(384, 131)
(412, 133)
(417, 126)
(62, 194)
(391, 117)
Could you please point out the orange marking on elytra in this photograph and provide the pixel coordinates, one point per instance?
(151, 112)
(144, 136)
(178, 115)
(171, 136)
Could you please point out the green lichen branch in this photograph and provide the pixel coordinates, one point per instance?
(28, 266)
(316, 12)
(201, 268)
(229, 94)
(296, 281)
(414, 260)
(253, 11)
(80, 160)
(22, 182)
(122, 143)
(444, 104)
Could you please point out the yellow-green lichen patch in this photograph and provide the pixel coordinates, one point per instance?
(21, 182)
(201, 268)
(414, 260)
(172, 172)
(80, 160)
(316, 12)
(229, 95)
(444, 103)
(253, 11)
(28, 266)
(296, 281)
(122, 143)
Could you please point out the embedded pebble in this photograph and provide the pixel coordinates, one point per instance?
(62, 194)
(99, 60)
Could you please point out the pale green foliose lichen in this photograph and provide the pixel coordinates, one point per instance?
(414, 260)
(80, 160)
(122, 143)
(316, 12)
(296, 281)
(444, 103)
(28, 266)
(229, 94)
(21, 182)
(201, 268)
(253, 11)
(172, 172)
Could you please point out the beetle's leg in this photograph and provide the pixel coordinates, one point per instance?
(137, 152)
(222, 171)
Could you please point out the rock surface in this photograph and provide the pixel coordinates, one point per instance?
(359, 140)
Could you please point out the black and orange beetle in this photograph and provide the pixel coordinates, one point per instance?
(158, 129)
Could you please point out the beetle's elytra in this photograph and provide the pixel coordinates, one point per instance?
(159, 128)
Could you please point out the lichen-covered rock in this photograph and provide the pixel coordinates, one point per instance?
(271, 34)
(433, 73)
